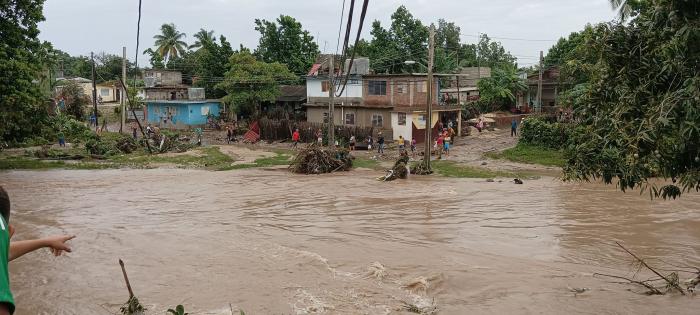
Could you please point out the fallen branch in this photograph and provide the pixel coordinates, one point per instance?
(132, 306)
(652, 289)
(673, 284)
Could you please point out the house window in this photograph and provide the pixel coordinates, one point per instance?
(402, 119)
(325, 118)
(350, 118)
(401, 88)
(205, 110)
(376, 87)
(354, 82)
(325, 86)
(421, 87)
(104, 92)
(377, 120)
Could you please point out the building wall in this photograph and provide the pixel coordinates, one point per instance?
(404, 130)
(314, 88)
(363, 116)
(164, 78)
(165, 94)
(414, 95)
(180, 115)
(108, 93)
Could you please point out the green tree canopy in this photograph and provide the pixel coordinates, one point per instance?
(499, 91)
(250, 82)
(23, 59)
(640, 109)
(169, 43)
(286, 42)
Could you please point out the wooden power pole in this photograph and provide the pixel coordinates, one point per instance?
(539, 84)
(331, 105)
(94, 90)
(122, 97)
(429, 108)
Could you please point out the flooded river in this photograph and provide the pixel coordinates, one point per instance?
(269, 242)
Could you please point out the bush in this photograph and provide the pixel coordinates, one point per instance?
(110, 144)
(539, 132)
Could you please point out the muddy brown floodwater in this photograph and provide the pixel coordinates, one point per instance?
(270, 242)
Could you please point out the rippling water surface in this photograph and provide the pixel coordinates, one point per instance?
(270, 242)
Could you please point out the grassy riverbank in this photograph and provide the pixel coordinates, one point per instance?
(530, 154)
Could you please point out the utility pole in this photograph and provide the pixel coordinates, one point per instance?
(429, 108)
(478, 58)
(331, 105)
(123, 95)
(94, 90)
(459, 99)
(539, 84)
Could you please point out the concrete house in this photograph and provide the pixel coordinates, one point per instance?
(349, 106)
(550, 90)
(405, 98)
(171, 104)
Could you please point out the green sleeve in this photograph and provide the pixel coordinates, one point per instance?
(5, 293)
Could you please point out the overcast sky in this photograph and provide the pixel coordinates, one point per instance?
(82, 26)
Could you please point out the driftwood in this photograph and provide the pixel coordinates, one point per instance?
(673, 284)
(671, 281)
(652, 289)
(421, 169)
(317, 160)
(132, 306)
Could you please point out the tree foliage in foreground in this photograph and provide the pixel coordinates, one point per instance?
(22, 56)
(640, 110)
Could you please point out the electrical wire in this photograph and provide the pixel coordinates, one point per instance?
(357, 40)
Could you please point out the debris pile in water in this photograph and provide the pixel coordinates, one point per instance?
(317, 160)
(399, 170)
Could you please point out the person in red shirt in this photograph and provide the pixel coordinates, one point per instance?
(440, 145)
(295, 137)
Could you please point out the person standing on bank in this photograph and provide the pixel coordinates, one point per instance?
(295, 138)
(352, 142)
(513, 128)
(380, 143)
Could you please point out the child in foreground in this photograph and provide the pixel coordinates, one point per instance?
(12, 250)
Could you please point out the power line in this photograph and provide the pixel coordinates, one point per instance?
(513, 38)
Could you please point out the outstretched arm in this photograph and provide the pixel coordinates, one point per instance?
(57, 244)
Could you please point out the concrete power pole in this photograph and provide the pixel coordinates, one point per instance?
(122, 99)
(331, 105)
(94, 90)
(539, 84)
(429, 108)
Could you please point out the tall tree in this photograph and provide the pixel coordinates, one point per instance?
(250, 82)
(499, 90)
(285, 41)
(492, 54)
(169, 43)
(22, 61)
(202, 37)
(638, 113)
(212, 64)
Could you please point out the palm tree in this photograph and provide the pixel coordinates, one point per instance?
(169, 43)
(626, 8)
(203, 36)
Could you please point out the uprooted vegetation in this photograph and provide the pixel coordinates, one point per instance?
(666, 279)
(318, 160)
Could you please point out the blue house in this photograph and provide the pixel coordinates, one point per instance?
(181, 114)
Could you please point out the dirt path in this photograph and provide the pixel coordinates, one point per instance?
(243, 154)
(471, 150)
